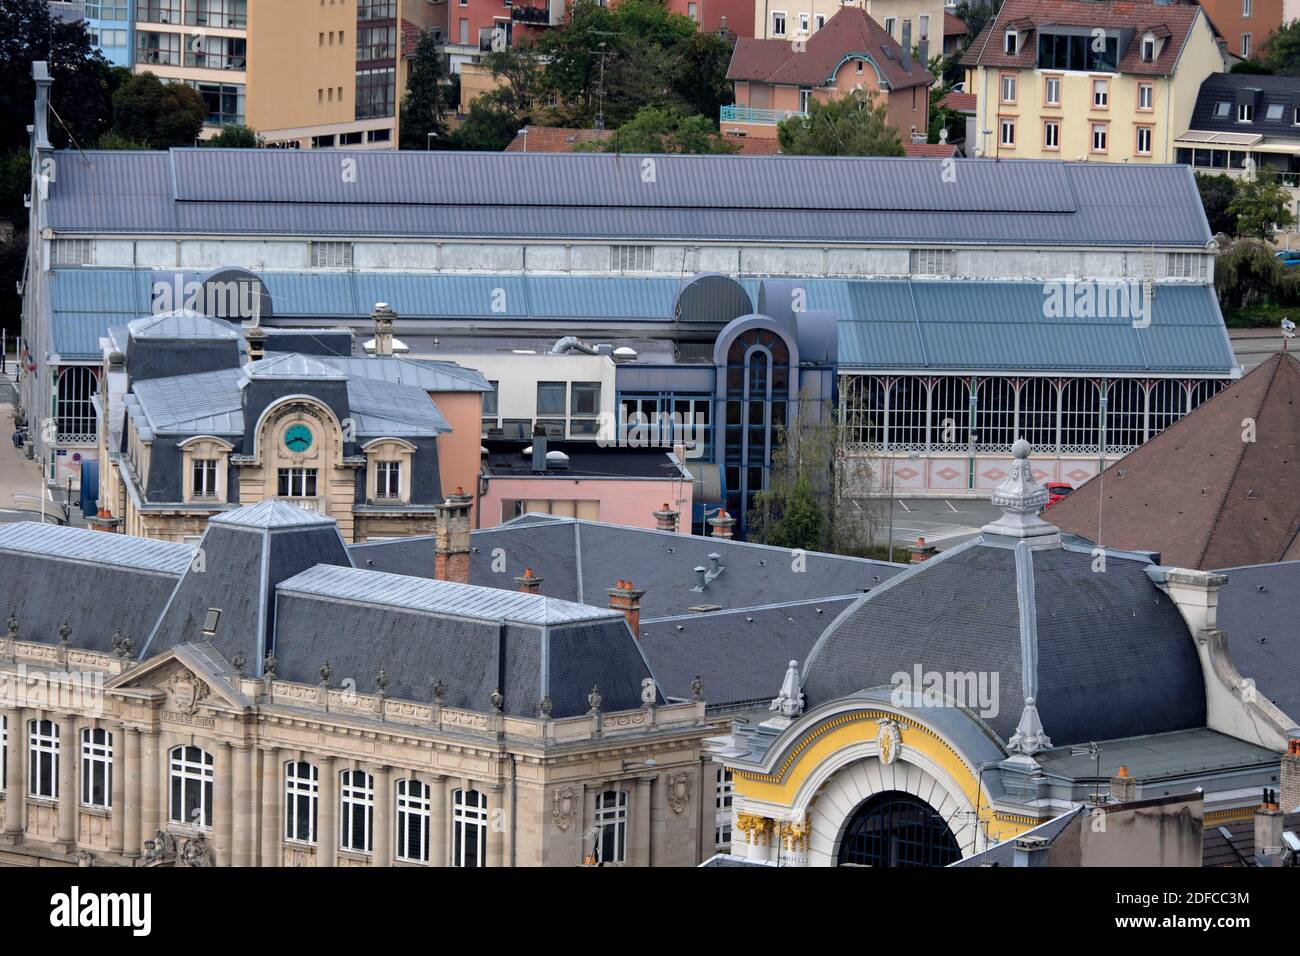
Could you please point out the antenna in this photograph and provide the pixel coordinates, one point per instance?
(1092, 749)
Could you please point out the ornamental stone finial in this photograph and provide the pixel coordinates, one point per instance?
(1021, 498)
(1029, 738)
(789, 702)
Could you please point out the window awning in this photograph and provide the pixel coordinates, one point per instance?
(1195, 137)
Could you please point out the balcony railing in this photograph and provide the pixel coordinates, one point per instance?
(748, 114)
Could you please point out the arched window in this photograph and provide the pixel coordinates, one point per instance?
(1168, 403)
(757, 402)
(1080, 416)
(75, 415)
(950, 414)
(301, 801)
(43, 756)
(862, 410)
(907, 402)
(191, 776)
(995, 415)
(895, 829)
(469, 816)
(611, 826)
(96, 768)
(1037, 417)
(1202, 391)
(413, 814)
(356, 811)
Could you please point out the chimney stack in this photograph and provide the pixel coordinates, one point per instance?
(255, 336)
(451, 538)
(41, 120)
(383, 316)
(539, 449)
(666, 518)
(1289, 785)
(721, 524)
(1030, 851)
(1123, 787)
(626, 598)
(1268, 825)
(922, 551)
(528, 582)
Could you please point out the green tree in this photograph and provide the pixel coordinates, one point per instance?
(976, 15)
(160, 115)
(850, 126)
(1253, 67)
(802, 523)
(425, 99)
(236, 136)
(1281, 51)
(489, 125)
(655, 130)
(1247, 273)
(1217, 193)
(1261, 206)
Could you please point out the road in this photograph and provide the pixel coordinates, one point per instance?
(19, 476)
(943, 522)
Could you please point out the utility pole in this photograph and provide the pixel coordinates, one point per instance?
(599, 122)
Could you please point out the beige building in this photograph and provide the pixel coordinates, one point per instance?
(917, 23)
(302, 73)
(144, 747)
(1084, 81)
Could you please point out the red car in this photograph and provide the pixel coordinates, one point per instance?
(1056, 490)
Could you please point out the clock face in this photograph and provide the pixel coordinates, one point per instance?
(297, 438)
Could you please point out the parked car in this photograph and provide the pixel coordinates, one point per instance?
(1056, 490)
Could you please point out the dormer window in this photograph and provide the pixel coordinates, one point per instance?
(1222, 109)
(1245, 113)
(1010, 43)
(1148, 48)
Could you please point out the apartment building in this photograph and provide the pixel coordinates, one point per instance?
(1103, 81)
(912, 23)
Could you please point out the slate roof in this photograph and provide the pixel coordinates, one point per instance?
(1030, 203)
(1280, 94)
(1259, 608)
(1030, 15)
(849, 33)
(1197, 492)
(475, 640)
(50, 574)
(1239, 845)
(1104, 655)
(293, 365)
(181, 324)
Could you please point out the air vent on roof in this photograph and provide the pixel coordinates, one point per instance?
(704, 608)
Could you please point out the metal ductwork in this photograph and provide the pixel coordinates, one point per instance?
(571, 343)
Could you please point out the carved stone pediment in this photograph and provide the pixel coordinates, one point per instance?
(185, 692)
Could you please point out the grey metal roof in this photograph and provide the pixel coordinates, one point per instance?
(81, 544)
(181, 324)
(1259, 608)
(815, 199)
(271, 513)
(440, 597)
(293, 365)
(432, 376)
(205, 403)
(1004, 854)
(1159, 756)
(382, 408)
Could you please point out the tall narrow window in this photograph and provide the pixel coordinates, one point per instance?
(191, 779)
(205, 478)
(356, 811)
(75, 418)
(722, 809)
(1145, 96)
(611, 825)
(96, 768)
(413, 814)
(4, 753)
(388, 479)
(1008, 87)
(1052, 91)
(1100, 94)
(301, 801)
(43, 753)
(1051, 135)
(1007, 136)
(469, 815)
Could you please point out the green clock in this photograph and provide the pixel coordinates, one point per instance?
(297, 438)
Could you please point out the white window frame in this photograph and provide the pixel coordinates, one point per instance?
(414, 817)
(889, 25)
(778, 23)
(74, 252)
(1147, 92)
(469, 823)
(4, 753)
(1105, 138)
(1052, 139)
(1010, 43)
(1006, 132)
(331, 255)
(203, 477)
(182, 766)
(611, 816)
(1245, 113)
(1246, 9)
(803, 23)
(388, 479)
(42, 774)
(297, 482)
(1048, 83)
(1148, 49)
(1007, 87)
(1245, 46)
(631, 258)
(1138, 144)
(819, 20)
(356, 795)
(96, 765)
(300, 789)
(1100, 94)
(723, 792)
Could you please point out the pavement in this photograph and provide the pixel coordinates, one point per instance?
(943, 522)
(20, 475)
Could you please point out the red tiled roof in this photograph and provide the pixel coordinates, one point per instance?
(410, 38)
(554, 139)
(1197, 492)
(929, 149)
(1139, 15)
(962, 102)
(754, 145)
(953, 25)
(847, 33)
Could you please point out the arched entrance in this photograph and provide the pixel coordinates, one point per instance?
(894, 828)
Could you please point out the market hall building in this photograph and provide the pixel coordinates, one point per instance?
(936, 277)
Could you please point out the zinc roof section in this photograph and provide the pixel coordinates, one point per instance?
(723, 198)
(386, 409)
(81, 544)
(76, 335)
(202, 403)
(439, 597)
(432, 376)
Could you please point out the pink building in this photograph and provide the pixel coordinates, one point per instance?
(625, 486)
